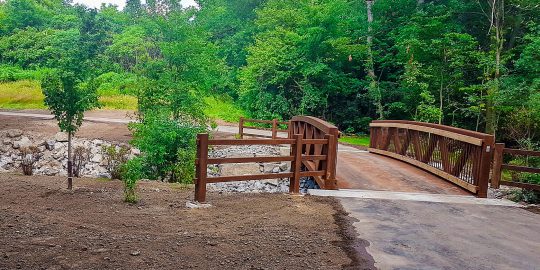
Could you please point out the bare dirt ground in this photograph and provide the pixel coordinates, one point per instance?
(44, 226)
(118, 132)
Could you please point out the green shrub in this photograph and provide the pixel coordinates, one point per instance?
(224, 108)
(525, 195)
(132, 171)
(168, 147)
(13, 73)
(112, 83)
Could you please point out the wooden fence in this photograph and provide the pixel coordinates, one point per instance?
(515, 170)
(274, 129)
(297, 158)
(460, 156)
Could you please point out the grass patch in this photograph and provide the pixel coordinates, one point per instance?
(223, 108)
(118, 102)
(355, 140)
(21, 95)
(27, 94)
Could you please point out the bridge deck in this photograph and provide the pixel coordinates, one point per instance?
(363, 170)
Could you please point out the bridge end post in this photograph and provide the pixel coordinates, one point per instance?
(331, 155)
(485, 166)
(296, 165)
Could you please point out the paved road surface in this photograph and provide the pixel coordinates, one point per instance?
(428, 235)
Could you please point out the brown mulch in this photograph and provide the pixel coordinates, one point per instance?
(44, 226)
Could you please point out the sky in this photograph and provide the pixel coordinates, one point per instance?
(120, 3)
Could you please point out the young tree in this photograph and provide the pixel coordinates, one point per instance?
(68, 99)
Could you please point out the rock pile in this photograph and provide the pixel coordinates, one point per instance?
(51, 153)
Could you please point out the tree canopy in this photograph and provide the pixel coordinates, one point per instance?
(470, 64)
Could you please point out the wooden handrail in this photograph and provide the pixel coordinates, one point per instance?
(460, 156)
(274, 129)
(499, 166)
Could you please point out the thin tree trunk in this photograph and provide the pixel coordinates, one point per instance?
(441, 101)
(70, 164)
(497, 23)
(374, 90)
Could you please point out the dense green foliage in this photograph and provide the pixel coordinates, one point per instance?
(471, 64)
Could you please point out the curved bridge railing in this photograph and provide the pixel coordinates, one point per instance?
(312, 128)
(460, 156)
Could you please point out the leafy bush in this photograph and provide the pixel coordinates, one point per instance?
(168, 147)
(132, 171)
(224, 108)
(13, 73)
(112, 83)
(525, 195)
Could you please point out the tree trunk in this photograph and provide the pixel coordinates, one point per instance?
(497, 23)
(70, 164)
(441, 100)
(374, 90)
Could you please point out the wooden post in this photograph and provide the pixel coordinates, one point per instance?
(201, 173)
(330, 177)
(296, 164)
(70, 164)
(290, 130)
(497, 163)
(241, 128)
(274, 128)
(485, 166)
(372, 137)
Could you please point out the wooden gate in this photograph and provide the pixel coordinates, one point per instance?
(460, 156)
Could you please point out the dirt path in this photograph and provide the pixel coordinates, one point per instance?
(43, 226)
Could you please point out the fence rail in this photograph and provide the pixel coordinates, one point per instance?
(460, 156)
(499, 166)
(298, 159)
(274, 129)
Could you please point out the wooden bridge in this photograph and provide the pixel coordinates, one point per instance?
(444, 159)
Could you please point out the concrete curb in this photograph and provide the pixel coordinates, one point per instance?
(407, 196)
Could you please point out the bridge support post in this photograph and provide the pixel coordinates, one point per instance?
(331, 152)
(200, 171)
(296, 165)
